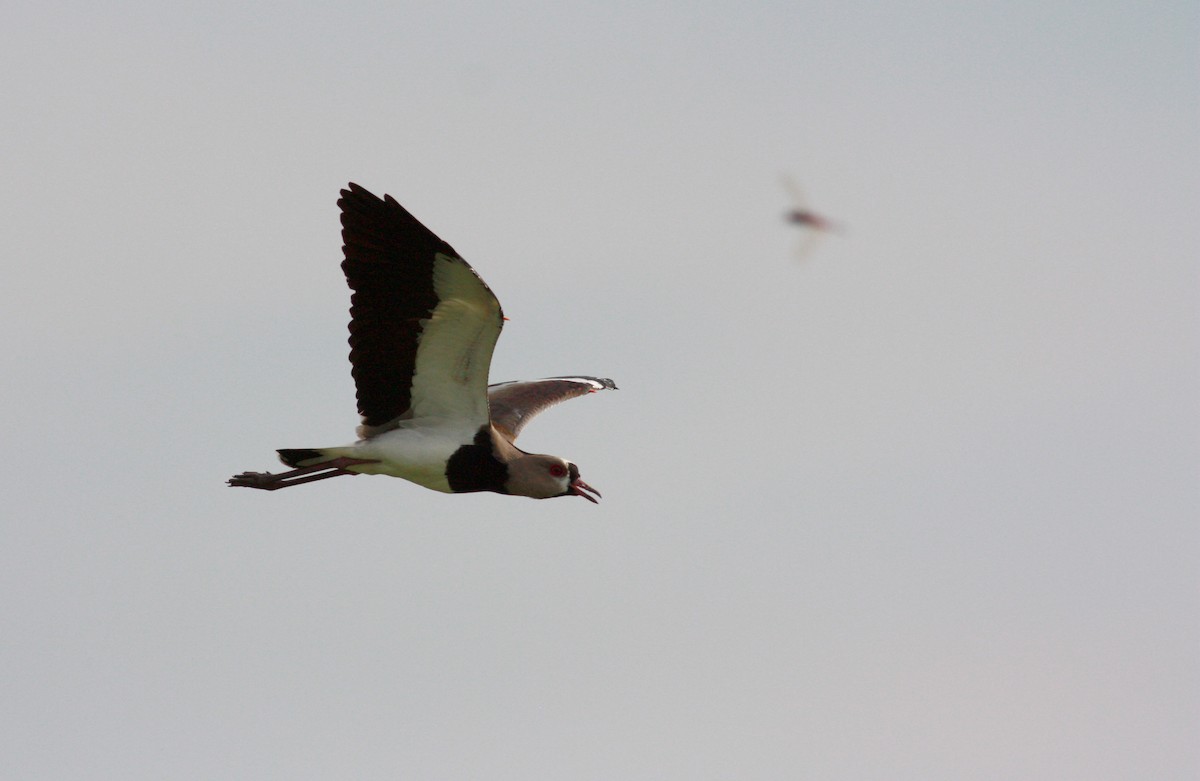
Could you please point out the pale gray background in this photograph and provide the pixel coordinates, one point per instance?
(921, 507)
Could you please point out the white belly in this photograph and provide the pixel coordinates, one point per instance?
(415, 453)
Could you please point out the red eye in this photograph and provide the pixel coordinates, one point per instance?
(558, 470)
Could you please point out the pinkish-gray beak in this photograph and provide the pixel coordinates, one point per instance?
(577, 488)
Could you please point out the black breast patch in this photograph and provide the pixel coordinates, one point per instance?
(475, 467)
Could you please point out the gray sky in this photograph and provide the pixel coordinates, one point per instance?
(920, 507)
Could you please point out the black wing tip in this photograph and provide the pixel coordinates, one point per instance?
(354, 190)
(364, 210)
(358, 193)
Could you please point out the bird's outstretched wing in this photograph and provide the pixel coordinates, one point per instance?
(515, 403)
(423, 324)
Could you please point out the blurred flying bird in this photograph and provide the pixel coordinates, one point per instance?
(814, 224)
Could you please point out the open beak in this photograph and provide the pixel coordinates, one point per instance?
(578, 487)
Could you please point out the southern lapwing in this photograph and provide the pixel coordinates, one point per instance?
(422, 329)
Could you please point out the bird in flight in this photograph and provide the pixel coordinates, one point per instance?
(423, 325)
(802, 215)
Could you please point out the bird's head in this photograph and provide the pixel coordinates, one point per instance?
(543, 477)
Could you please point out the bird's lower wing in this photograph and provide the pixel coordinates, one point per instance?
(513, 404)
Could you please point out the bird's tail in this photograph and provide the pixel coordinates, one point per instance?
(298, 457)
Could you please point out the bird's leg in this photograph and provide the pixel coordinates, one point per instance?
(305, 474)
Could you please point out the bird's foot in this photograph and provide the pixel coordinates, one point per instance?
(268, 481)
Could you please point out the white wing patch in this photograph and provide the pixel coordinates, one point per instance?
(454, 351)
